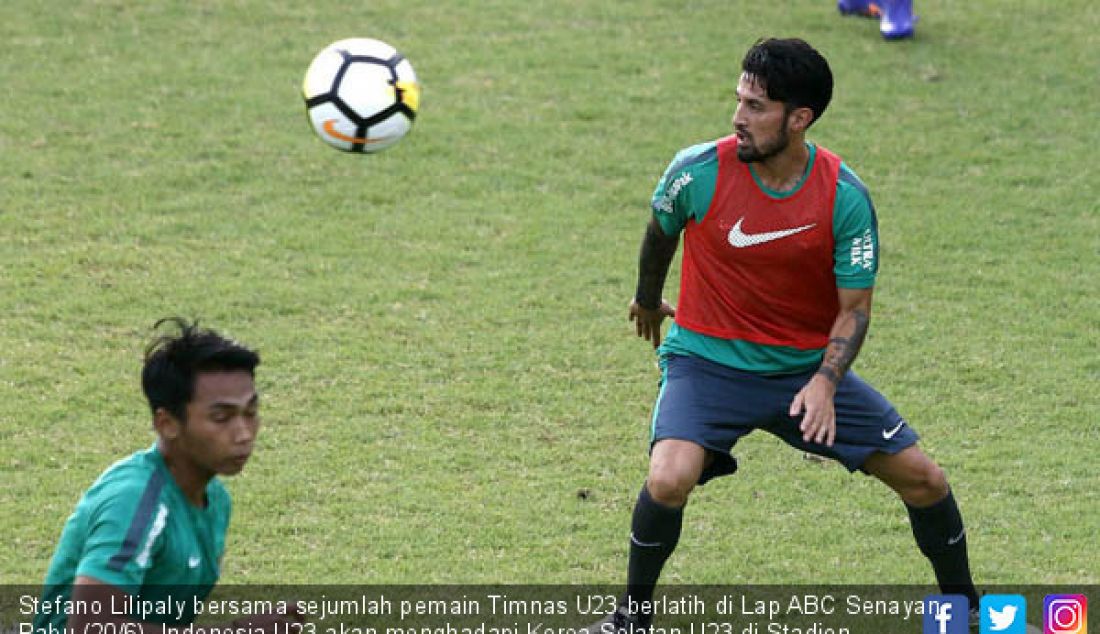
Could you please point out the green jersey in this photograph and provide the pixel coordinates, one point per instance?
(684, 194)
(135, 530)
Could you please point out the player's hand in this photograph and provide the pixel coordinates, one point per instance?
(648, 322)
(815, 402)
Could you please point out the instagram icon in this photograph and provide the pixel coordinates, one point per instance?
(1065, 614)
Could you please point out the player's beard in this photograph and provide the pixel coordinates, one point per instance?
(753, 153)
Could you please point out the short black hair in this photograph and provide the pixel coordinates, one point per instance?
(791, 71)
(172, 361)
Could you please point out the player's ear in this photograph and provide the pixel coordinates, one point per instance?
(800, 119)
(165, 424)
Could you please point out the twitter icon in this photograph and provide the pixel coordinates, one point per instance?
(1003, 614)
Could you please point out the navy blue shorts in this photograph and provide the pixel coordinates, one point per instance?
(713, 405)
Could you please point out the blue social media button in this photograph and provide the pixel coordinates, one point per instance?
(946, 614)
(1003, 614)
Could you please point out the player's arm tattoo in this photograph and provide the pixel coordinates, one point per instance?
(844, 345)
(653, 262)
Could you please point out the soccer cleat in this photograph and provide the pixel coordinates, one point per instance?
(898, 21)
(621, 621)
(866, 8)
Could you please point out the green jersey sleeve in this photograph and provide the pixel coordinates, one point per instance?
(686, 188)
(125, 528)
(855, 230)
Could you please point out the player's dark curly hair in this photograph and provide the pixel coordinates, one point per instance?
(172, 362)
(791, 71)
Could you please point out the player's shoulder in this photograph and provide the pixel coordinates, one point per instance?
(694, 168)
(128, 480)
(848, 182)
(854, 211)
(129, 471)
(694, 157)
(853, 199)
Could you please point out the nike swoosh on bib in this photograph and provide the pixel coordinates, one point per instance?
(740, 239)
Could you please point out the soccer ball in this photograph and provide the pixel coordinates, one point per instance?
(361, 95)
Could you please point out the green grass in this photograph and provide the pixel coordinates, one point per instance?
(452, 391)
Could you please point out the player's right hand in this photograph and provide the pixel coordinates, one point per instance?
(648, 322)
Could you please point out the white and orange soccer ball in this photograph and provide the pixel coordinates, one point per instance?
(361, 95)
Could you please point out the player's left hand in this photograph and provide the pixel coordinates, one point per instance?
(815, 402)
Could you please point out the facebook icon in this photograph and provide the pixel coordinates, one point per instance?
(946, 614)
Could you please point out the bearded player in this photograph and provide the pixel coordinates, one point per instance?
(779, 264)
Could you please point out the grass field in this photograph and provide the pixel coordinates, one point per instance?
(452, 392)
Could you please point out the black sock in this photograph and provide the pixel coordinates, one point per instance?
(941, 537)
(654, 532)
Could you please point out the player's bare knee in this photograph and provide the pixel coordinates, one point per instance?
(927, 485)
(669, 487)
(936, 483)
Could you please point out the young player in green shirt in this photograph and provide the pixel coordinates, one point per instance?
(152, 527)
